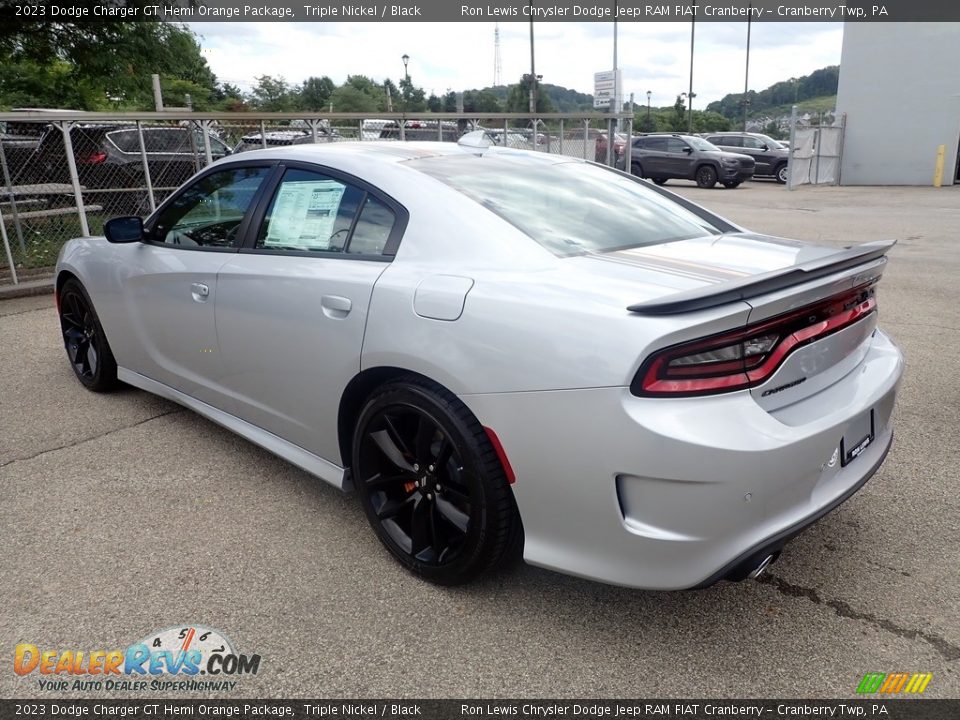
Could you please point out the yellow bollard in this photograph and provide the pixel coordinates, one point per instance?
(938, 167)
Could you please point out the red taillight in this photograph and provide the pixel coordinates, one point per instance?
(745, 358)
(92, 158)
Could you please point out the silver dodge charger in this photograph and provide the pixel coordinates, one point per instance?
(502, 352)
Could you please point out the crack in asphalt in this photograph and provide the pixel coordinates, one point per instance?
(842, 609)
(91, 437)
(31, 310)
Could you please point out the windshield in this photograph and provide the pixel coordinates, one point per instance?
(570, 208)
(701, 144)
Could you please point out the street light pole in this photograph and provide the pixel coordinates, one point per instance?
(648, 110)
(406, 60)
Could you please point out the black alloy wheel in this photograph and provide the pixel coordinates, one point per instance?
(431, 484)
(706, 176)
(87, 348)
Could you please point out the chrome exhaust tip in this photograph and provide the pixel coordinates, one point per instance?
(761, 567)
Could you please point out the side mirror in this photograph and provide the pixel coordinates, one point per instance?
(124, 229)
(688, 150)
(765, 147)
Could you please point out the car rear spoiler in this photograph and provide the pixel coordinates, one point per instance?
(712, 296)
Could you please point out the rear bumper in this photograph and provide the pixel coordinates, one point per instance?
(674, 493)
(738, 568)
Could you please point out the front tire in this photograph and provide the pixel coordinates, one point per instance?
(660, 181)
(84, 340)
(431, 483)
(731, 184)
(781, 174)
(637, 169)
(706, 176)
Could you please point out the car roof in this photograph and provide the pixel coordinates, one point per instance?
(387, 152)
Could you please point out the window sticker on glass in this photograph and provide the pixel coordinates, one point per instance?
(303, 214)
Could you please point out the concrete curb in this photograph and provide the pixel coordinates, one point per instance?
(26, 289)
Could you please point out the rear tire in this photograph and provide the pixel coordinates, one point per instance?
(706, 176)
(636, 169)
(731, 184)
(660, 181)
(431, 483)
(84, 340)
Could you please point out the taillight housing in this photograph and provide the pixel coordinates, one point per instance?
(748, 357)
(91, 158)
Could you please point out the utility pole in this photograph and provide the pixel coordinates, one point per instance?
(533, 71)
(690, 95)
(746, 73)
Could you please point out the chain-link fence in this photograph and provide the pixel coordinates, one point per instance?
(65, 173)
(815, 152)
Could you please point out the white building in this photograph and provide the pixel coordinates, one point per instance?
(900, 89)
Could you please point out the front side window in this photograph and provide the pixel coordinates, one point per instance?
(310, 212)
(752, 143)
(676, 145)
(208, 213)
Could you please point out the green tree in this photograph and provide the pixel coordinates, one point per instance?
(518, 98)
(414, 98)
(272, 94)
(678, 120)
(348, 98)
(97, 66)
(481, 101)
(315, 93)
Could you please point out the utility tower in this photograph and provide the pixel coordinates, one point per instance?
(497, 79)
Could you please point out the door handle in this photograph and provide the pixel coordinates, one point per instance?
(200, 292)
(335, 306)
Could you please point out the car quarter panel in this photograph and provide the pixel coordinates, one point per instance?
(662, 493)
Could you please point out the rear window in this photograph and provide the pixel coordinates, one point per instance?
(570, 208)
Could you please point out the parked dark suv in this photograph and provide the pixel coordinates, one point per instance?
(109, 163)
(771, 157)
(687, 157)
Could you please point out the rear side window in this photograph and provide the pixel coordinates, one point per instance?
(727, 140)
(373, 228)
(655, 143)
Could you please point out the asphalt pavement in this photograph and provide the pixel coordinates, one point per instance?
(123, 514)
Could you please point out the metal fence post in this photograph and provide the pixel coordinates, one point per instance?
(313, 130)
(586, 139)
(793, 148)
(13, 199)
(843, 135)
(263, 134)
(6, 247)
(439, 130)
(146, 168)
(628, 150)
(818, 140)
(205, 126)
(65, 126)
(560, 149)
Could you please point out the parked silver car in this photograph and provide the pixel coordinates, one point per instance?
(502, 350)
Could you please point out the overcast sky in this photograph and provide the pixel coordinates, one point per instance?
(653, 56)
